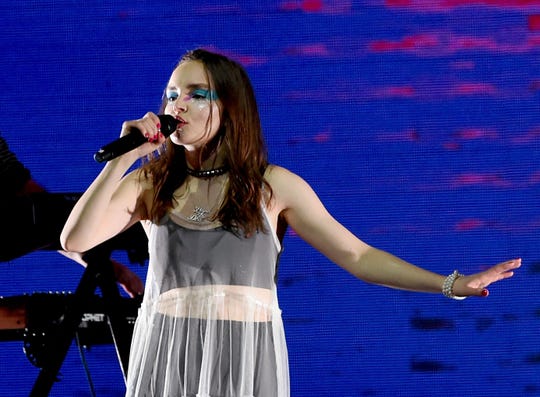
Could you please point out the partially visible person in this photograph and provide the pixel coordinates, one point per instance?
(33, 218)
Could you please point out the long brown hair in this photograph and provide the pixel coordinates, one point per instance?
(240, 137)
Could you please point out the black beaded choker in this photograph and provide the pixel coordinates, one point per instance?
(207, 173)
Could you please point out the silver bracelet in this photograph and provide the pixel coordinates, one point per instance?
(448, 286)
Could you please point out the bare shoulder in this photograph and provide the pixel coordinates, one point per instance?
(277, 176)
(288, 188)
(281, 179)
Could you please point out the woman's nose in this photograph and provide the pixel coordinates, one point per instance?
(180, 105)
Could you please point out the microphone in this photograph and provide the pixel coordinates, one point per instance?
(133, 140)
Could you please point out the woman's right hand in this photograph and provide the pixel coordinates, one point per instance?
(149, 126)
(112, 203)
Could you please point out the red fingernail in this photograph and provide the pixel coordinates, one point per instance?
(158, 125)
(485, 292)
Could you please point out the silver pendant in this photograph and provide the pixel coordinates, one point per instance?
(199, 214)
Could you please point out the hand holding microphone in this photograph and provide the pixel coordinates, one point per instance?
(133, 139)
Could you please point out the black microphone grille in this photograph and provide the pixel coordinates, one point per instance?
(168, 124)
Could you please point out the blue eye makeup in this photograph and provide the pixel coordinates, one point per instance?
(172, 96)
(197, 94)
(201, 93)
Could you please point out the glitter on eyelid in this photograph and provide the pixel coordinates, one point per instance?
(209, 95)
(196, 94)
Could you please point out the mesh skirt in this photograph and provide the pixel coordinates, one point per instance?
(205, 354)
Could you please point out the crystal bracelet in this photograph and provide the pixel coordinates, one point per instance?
(448, 286)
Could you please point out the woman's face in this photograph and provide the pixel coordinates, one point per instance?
(191, 101)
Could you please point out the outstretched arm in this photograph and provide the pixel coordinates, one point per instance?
(305, 213)
(397, 273)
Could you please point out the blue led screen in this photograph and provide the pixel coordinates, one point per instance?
(417, 123)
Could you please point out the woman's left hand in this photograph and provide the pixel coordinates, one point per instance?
(128, 280)
(476, 284)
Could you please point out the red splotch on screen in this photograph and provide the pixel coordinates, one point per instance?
(533, 22)
(312, 5)
(534, 85)
(422, 41)
(404, 91)
(468, 134)
(438, 43)
(473, 88)
(320, 137)
(531, 136)
(534, 178)
(310, 50)
(400, 136)
(246, 60)
(469, 224)
(470, 179)
(449, 5)
(317, 6)
(452, 145)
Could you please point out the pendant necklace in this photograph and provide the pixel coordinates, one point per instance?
(199, 213)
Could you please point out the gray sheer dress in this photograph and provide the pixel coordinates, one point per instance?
(210, 324)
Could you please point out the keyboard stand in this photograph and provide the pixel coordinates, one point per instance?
(98, 274)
